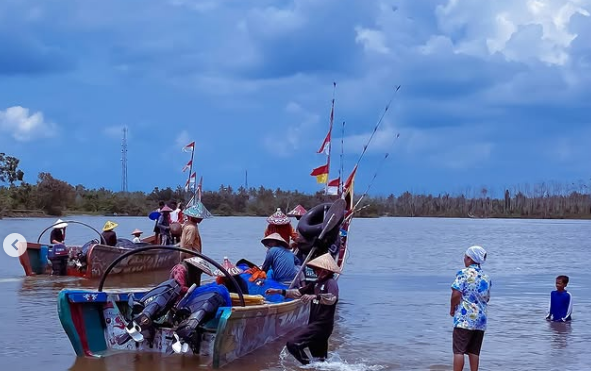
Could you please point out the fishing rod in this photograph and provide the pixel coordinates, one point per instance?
(375, 129)
(341, 169)
(375, 175)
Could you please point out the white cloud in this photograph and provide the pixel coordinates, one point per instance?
(285, 143)
(23, 126)
(520, 30)
(372, 40)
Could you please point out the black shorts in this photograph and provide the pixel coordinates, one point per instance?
(467, 341)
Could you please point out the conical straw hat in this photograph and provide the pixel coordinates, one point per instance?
(109, 225)
(198, 210)
(297, 211)
(276, 237)
(325, 262)
(136, 231)
(59, 224)
(201, 264)
(278, 218)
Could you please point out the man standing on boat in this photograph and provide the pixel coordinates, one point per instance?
(323, 295)
(469, 301)
(190, 237)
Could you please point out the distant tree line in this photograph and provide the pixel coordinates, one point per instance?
(51, 196)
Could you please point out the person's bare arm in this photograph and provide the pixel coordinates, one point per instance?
(456, 298)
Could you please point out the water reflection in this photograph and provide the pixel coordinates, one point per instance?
(560, 334)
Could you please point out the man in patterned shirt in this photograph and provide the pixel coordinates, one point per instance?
(470, 293)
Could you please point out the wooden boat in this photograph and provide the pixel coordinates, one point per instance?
(95, 320)
(96, 258)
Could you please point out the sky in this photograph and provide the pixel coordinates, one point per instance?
(493, 93)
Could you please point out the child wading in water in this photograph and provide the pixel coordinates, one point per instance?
(561, 302)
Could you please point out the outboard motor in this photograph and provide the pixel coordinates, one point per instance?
(197, 308)
(58, 255)
(156, 302)
(153, 305)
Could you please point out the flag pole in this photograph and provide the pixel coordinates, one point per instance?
(334, 88)
(191, 168)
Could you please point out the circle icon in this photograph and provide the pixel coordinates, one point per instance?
(15, 245)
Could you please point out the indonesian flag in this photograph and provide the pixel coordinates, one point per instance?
(189, 147)
(188, 165)
(325, 147)
(333, 187)
(348, 186)
(190, 180)
(321, 174)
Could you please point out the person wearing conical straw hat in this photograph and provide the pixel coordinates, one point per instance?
(109, 234)
(278, 222)
(297, 212)
(58, 233)
(280, 259)
(164, 225)
(323, 295)
(188, 272)
(136, 235)
(190, 237)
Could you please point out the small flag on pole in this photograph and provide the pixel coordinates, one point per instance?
(188, 165)
(321, 173)
(190, 180)
(189, 147)
(325, 145)
(333, 187)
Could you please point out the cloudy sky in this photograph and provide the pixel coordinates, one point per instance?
(493, 93)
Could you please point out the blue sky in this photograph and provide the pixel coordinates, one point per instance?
(493, 93)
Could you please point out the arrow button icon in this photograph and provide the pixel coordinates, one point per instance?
(15, 245)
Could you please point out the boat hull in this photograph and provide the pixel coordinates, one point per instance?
(34, 260)
(92, 324)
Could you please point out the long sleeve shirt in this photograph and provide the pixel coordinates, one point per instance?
(323, 307)
(560, 307)
(190, 238)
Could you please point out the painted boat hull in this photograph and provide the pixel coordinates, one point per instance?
(92, 325)
(98, 259)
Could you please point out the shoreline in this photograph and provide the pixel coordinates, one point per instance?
(39, 214)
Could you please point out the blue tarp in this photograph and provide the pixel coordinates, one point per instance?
(269, 283)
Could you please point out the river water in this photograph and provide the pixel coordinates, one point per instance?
(393, 309)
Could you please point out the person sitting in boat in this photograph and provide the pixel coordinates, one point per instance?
(136, 235)
(323, 295)
(280, 259)
(188, 272)
(109, 234)
(221, 278)
(279, 223)
(58, 233)
(164, 225)
(190, 238)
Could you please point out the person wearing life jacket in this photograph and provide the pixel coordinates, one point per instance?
(279, 223)
(323, 294)
(109, 234)
(58, 233)
(190, 237)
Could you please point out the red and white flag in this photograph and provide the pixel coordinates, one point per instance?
(325, 147)
(333, 187)
(188, 165)
(189, 147)
(190, 180)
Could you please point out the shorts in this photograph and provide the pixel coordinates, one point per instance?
(467, 341)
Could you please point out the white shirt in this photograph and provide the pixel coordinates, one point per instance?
(174, 216)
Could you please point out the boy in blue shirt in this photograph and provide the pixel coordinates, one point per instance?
(561, 302)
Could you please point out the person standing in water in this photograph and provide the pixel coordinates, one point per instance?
(561, 302)
(323, 295)
(470, 293)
